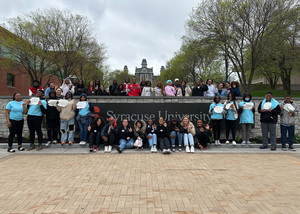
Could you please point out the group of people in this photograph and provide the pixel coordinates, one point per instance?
(64, 115)
(144, 88)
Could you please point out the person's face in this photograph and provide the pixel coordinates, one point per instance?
(111, 122)
(230, 96)
(68, 95)
(99, 122)
(176, 82)
(247, 97)
(148, 84)
(217, 99)
(39, 94)
(82, 98)
(143, 80)
(159, 84)
(121, 87)
(18, 97)
(185, 120)
(221, 86)
(58, 92)
(183, 84)
(150, 122)
(52, 95)
(209, 82)
(127, 80)
(287, 99)
(134, 80)
(199, 123)
(80, 82)
(138, 125)
(97, 82)
(74, 81)
(102, 88)
(161, 121)
(227, 85)
(174, 122)
(67, 82)
(115, 82)
(91, 83)
(197, 82)
(233, 85)
(269, 97)
(35, 84)
(52, 85)
(169, 83)
(125, 123)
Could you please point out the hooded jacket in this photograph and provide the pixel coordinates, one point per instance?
(142, 130)
(65, 88)
(106, 129)
(171, 127)
(269, 116)
(285, 118)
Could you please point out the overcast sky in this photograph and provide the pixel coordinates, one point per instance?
(131, 29)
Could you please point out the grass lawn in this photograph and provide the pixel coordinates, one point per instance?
(277, 93)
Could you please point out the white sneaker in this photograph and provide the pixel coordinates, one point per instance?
(219, 142)
(216, 142)
(155, 149)
(54, 141)
(187, 149)
(83, 143)
(227, 142)
(192, 149)
(105, 149)
(48, 143)
(80, 143)
(243, 143)
(233, 143)
(109, 149)
(152, 149)
(248, 142)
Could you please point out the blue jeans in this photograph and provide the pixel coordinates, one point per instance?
(284, 130)
(177, 135)
(83, 129)
(188, 138)
(65, 127)
(153, 140)
(126, 144)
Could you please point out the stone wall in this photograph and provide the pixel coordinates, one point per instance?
(256, 131)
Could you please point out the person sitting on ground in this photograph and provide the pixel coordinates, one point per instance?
(163, 136)
(151, 135)
(109, 134)
(188, 134)
(176, 133)
(203, 135)
(139, 131)
(94, 133)
(126, 136)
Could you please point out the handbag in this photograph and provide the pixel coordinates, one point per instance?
(138, 143)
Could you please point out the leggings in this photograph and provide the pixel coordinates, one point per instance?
(35, 125)
(217, 126)
(230, 124)
(52, 129)
(16, 128)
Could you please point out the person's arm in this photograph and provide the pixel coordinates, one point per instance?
(91, 107)
(30, 93)
(276, 110)
(296, 111)
(7, 118)
(43, 107)
(194, 92)
(192, 130)
(259, 108)
(205, 88)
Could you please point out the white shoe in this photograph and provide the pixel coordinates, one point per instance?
(80, 143)
(219, 142)
(152, 149)
(248, 142)
(192, 149)
(187, 149)
(227, 142)
(243, 143)
(48, 143)
(109, 149)
(54, 141)
(155, 149)
(105, 149)
(216, 142)
(233, 143)
(83, 143)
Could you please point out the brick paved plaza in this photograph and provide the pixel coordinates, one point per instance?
(150, 183)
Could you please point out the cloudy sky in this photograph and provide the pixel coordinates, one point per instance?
(131, 29)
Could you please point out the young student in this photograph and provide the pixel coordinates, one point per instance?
(222, 92)
(34, 88)
(147, 89)
(134, 89)
(269, 110)
(163, 136)
(202, 135)
(289, 112)
(120, 91)
(109, 134)
(67, 120)
(91, 91)
(169, 89)
(246, 117)
(151, 135)
(199, 89)
(102, 91)
(113, 88)
(97, 86)
(14, 118)
(188, 134)
(67, 86)
(216, 118)
(95, 133)
(139, 131)
(126, 85)
(84, 118)
(59, 95)
(52, 118)
(80, 88)
(212, 88)
(231, 115)
(159, 90)
(34, 120)
(125, 136)
(184, 90)
(235, 89)
(176, 133)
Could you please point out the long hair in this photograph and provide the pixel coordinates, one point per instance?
(95, 120)
(161, 85)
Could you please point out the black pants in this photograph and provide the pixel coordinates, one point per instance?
(16, 128)
(203, 138)
(35, 125)
(94, 139)
(164, 143)
(52, 129)
(230, 124)
(217, 126)
(111, 139)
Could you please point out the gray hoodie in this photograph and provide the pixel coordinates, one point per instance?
(284, 115)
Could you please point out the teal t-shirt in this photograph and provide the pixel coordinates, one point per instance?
(16, 110)
(86, 110)
(35, 110)
(247, 115)
(230, 113)
(215, 115)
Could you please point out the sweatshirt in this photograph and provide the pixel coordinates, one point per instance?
(68, 112)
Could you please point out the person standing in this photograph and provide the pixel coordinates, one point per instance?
(91, 91)
(126, 85)
(216, 118)
(35, 86)
(50, 88)
(289, 112)
(159, 90)
(80, 88)
(231, 115)
(67, 86)
(269, 110)
(212, 88)
(147, 90)
(14, 118)
(113, 88)
(184, 90)
(169, 89)
(222, 92)
(134, 90)
(143, 83)
(199, 89)
(35, 119)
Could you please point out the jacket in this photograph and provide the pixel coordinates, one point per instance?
(285, 118)
(67, 112)
(142, 130)
(159, 94)
(187, 91)
(150, 130)
(124, 133)
(171, 127)
(104, 131)
(199, 91)
(162, 131)
(192, 130)
(269, 116)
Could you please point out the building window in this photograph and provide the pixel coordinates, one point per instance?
(10, 80)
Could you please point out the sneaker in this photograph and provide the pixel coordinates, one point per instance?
(109, 149)
(11, 150)
(20, 148)
(83, 143)
(204, 148)
(164, 151)
(48, 143)
(216, 142)
(95, 149)
(91, 149)
(105, 149)
(219, 142)
(63, 143)
(273, 148)
(284, 148)
(70, 143)
(152, 149)
(192, 149)
(54, 141)
(39, 147)
(118, 149)
(263, 147)
(173, 149)
(180, 149)
(187, 149)
(227, 142)
(292, 148)
(233, 143)
(243, 143)
(155, 149)
(169, 151)
(32, 147)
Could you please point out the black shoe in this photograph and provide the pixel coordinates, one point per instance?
(20, 148)
(292, 148)
(273, 148)
(118, 149)
(263, 147)
(284, 148)
(11, 150)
